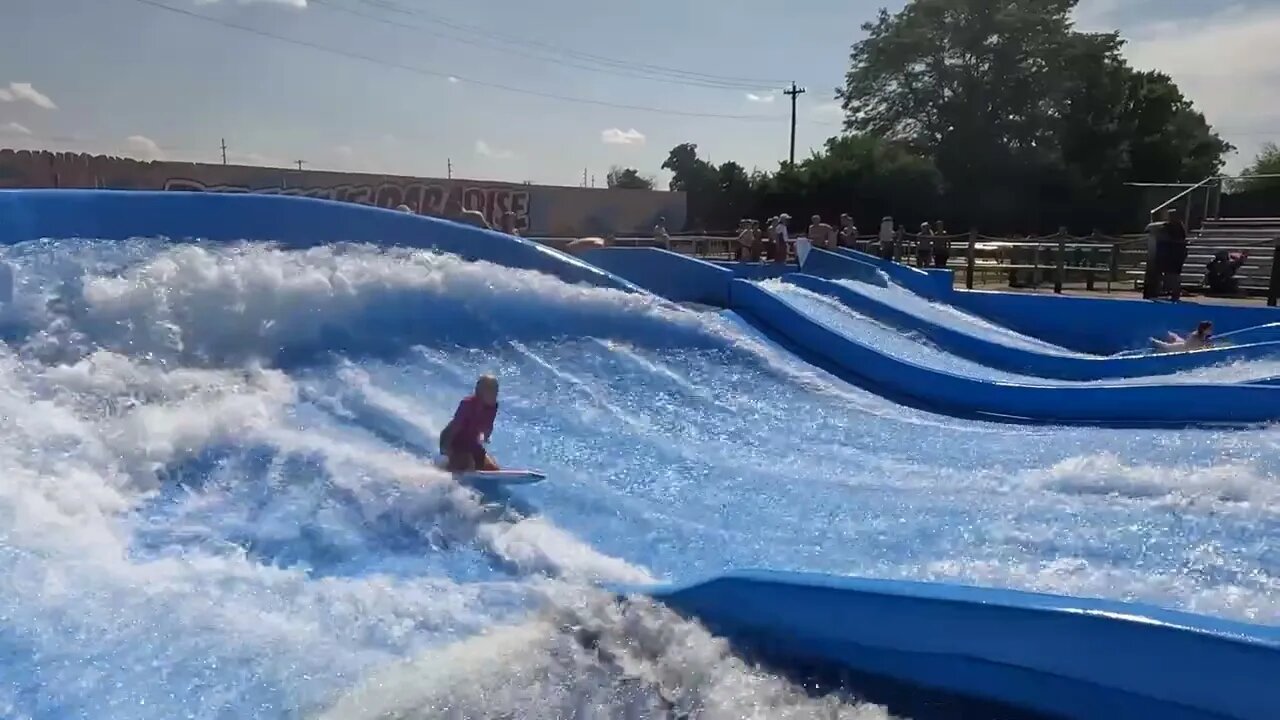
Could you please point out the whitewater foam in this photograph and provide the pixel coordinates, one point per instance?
(217, 500)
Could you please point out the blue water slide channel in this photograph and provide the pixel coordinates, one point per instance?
(1117, 405)
(1025, 361)
(1064, 657)
(293, 222)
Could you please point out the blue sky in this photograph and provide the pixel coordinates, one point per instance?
(125, 77)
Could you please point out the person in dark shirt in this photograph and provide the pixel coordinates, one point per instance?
(941, 245)
(1220, 274)
(1173, 257)
(462, 441)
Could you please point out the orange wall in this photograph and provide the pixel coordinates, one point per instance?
(540, 209)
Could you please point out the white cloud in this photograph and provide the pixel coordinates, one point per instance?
(345, 151)
(761, 97)
(14, 128)
(17, 92)
(618, 136)
(1099, 15)
(1220, 63)
(143, 148)
(487, 150)
(453, 80)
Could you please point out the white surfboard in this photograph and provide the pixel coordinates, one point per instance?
(503, 477)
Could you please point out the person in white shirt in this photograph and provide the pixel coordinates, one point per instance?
(886, 238)
(661, 237)
(781, 238)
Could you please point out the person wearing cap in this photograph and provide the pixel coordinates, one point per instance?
(924, 246)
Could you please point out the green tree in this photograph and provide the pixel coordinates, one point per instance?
(861, 174)
(689, 172)
(1023, 116)
(627, 179)
(1266, 163)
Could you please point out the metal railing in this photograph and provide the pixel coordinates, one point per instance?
(1213, 186)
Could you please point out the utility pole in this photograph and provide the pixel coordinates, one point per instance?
(794, 92)
(448, 168)
(593, 181)
(584, 177)
(300, 163)
(224, 151)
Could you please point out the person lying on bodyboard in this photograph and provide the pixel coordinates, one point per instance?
(462, 441)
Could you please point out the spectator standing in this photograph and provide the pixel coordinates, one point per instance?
(924, 246)
(1177, 258)
(745, 244)
(886, 237)
(941, 245)
(781, 238)
(1153, 275)
(661, 237)
(848, 232)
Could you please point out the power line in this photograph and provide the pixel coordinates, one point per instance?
(491, 41)
(439, 74)
(742, 82)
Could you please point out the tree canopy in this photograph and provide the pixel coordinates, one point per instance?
(996, 113)
(1266, 163)
(627, 179)
(1019, 110)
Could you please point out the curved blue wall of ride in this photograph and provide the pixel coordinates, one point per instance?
(680, 278)
(1104, 326)
(933, 283)
(1029, 362)
(291, 221)
(676, 277)
(1123, 405)
(1064, 657)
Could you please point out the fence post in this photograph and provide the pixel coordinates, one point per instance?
(1061, 269)
(1091, 259)
(1114, 274)
(970, 260)
(1273, 289)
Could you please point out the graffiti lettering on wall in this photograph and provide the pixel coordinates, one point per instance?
(423, 197)
(540, 210)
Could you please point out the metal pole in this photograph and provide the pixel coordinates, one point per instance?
(794, 92)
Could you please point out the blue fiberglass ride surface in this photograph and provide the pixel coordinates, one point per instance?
(1136, 405)
(217, 504)
(1015, 354)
